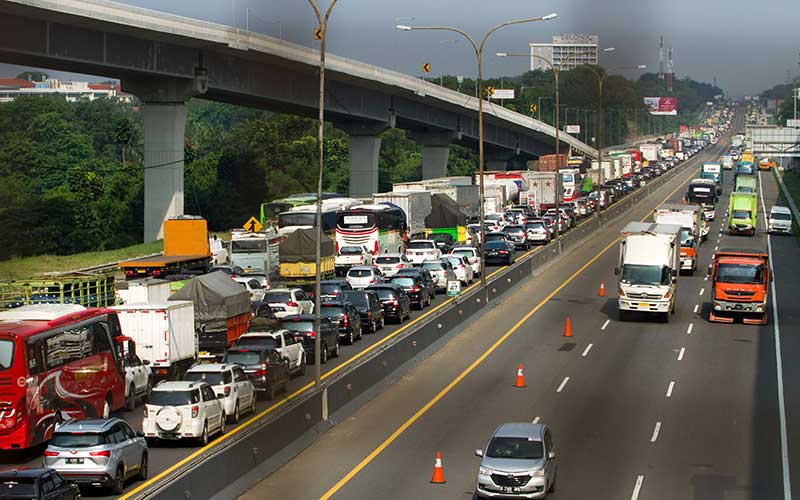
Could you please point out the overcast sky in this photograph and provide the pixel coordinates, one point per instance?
(748, 46)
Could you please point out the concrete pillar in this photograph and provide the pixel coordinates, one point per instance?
(435, 151)
(164, 114)
(364, 152)
(164, 127)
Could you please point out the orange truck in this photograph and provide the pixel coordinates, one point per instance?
(740, 286)
(186, 250)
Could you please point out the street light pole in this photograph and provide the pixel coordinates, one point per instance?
(321, 34)
(478, 48)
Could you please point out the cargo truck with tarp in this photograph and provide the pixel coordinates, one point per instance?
(221, 311)
(446, 219)
(298, 257)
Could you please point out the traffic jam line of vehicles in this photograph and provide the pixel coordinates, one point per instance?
(198, 351)
(520, 460)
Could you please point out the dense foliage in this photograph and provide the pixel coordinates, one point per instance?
(782, 92)
(72, 172)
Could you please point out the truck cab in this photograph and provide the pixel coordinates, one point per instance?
(742, 213)
(689, 218)
(649, 264)
(740, 283)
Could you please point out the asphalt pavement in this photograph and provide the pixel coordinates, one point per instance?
(641, 410)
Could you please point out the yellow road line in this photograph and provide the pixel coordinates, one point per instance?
(449, 387)
(310, 385)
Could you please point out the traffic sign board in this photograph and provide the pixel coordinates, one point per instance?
(317, 33)
(253, 225)
(533, 108)
(453, 288)
(426, 68)
(490, 91)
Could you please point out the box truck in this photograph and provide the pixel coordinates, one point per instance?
(689, 218)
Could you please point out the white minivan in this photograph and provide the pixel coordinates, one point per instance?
(780, 220)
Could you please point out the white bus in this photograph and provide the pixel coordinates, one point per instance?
(379, 228)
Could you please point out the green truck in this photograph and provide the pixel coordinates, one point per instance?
(746, 183)
(742, 213)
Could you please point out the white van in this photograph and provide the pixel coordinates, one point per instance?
(780, 220)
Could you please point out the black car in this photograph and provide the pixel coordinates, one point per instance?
(302, 326)
(424, 274)
(395, 301)
(415, 288)
(36, 484)
(502, 252)
(369, 308)
(330, 289)
(264, 367)
(345, 317)
(496, 236)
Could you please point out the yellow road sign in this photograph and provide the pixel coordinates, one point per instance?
(426, 68)
(533, 108)
(317, 33)
(253, 225)
(490, 91)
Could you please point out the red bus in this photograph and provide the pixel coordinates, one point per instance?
(57, 362)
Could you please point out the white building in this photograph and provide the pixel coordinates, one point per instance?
(569, 50)
(11, 88)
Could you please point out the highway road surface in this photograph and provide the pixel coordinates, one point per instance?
(639, 410)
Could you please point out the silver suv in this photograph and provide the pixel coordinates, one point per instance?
(98, 452)
(519, 462)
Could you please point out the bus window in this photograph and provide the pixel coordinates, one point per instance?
(6, 353)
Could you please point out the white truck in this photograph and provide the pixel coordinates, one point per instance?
(689, 218)
(649, 264)
(143, 290)
(415, 204)
(650, 152)
(494, 198)
(255, 252)
(164, 335)
(284, 343)
(541, 188)
(608, 171)
(460, 189)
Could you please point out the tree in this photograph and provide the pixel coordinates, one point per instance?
(33, 76)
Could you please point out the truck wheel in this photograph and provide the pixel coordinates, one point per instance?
(336, 349)
(323, 354)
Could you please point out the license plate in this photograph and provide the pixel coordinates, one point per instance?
(74, 461)
(509, 489)
(277, 308)
(643, 304)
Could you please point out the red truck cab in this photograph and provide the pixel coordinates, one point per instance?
(741, 280)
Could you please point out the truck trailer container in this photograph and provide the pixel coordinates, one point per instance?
(416, 205)
(186, 249)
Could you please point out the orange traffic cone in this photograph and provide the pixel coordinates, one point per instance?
(602, 289)
(438, 471)
(520, 382)
(568, 329)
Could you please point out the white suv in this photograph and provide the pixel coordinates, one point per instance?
(230, 383)
(390, 263)
(288, 302)
(472, 255)
(178, 410)
(418, 251)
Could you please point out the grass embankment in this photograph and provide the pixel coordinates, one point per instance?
(792, 182)
(26, 267)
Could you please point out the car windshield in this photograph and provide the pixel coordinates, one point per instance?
(77, 439)
(421, 245)
(359, 273)
(520, 448)
(533, 225)
(466, 252)
(387, 260)
(512, 229)
(494, 237)
(211, 378)
(356, 298)
(243, 358)
(330, 288)
(404, 282)
(351, 250)
(17, 487)
(432, 266)
(741, 214)
(262, 342)
(298, 326)
(493, 245)
(277, 297)
(6, 353)
(384, 293)
(174, 398)
(637, 274)
(332, 311)
(773, 215)
(740, 273)
(687, 238)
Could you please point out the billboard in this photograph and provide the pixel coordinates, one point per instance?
(502, 94)
(572, 129)
(662, 105)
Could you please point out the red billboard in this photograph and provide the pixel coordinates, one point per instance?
(662, 105)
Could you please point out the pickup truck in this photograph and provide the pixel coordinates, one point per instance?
(284, 343)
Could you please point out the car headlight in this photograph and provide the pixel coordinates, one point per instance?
(485, 471)
(538, 473)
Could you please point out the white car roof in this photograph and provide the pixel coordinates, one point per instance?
(210, 367)
(283, 290)
(177, 385)
(780, 210)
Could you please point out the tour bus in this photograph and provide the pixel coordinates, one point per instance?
(304, 218)
(271, 210)
(57, 362)
(379, 228)
(569, 182)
